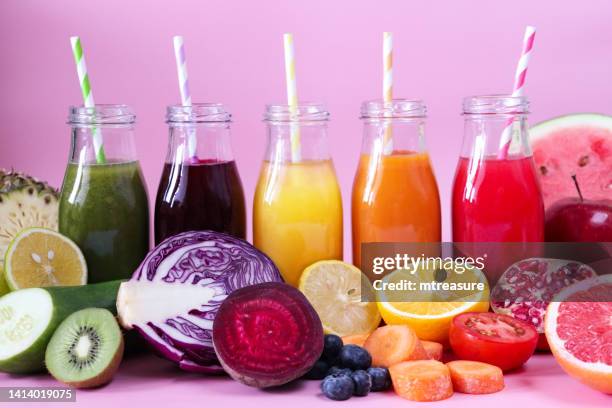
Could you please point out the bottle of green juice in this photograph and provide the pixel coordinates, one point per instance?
(103, 204)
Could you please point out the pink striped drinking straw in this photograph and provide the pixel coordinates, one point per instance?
(519, 86)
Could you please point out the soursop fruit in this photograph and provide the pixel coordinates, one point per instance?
(24, 202)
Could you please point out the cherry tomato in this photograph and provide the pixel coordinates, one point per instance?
(493, 338)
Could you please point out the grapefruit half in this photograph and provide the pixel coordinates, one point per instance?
(579, 144)
(578, 328)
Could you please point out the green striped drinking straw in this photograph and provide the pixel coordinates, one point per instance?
(88, 99)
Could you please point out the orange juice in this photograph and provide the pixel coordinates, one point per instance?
(297, 215)
(395, 199)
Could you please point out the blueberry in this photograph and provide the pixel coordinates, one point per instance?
(332, 345)
(338, 387)
(355, 357)
(318, 371)
(337, 370)
(381, 380)
(363, 383)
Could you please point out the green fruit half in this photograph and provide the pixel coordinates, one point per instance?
(29, 317)
(86, 349)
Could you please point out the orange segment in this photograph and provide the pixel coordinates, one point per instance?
(356, 339)
(434, 350)
(389, 345)
(429, 313)
(474, 377)
(424, 380)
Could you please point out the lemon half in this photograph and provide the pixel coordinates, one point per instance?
(334, 288)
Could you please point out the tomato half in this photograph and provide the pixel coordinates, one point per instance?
(493, 338)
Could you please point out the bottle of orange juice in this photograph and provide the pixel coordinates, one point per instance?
(395, 195)
(297, 210)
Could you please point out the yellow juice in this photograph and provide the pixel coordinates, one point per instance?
(297, 215)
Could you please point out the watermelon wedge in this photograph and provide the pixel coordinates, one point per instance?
(579, 144)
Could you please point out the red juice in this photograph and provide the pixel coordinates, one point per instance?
(497, 200)
(206, 195)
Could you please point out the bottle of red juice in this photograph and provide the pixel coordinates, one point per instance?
(200, 188)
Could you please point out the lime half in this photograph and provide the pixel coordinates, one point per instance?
(40, 257)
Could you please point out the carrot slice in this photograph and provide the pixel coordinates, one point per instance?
(423, 380)
(474, 377)
(356, 339)
(393, 344)
(434, 350)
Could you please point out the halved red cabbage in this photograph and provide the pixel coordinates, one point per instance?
(173, 297)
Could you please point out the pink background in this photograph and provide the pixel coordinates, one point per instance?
(444, 50)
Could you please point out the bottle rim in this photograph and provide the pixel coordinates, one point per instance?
(205, 112)
(495, 104)
(101, 114)
(304, 112)
(395, 109)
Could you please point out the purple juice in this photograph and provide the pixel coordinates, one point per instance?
(206, 195)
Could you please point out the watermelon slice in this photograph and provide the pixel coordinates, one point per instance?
(579, 144)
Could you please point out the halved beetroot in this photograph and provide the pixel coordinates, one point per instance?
(267, 334)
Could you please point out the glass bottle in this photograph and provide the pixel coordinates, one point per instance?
(103, 204)
(200, 188)
(496, 195)
(395, 194)
(497, 205)
(297, 210)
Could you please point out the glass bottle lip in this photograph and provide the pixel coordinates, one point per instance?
(496, 104)
(101, 114)
(304, 112)
(207, 112)
(394, 109)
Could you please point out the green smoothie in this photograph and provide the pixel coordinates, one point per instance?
(104, 209)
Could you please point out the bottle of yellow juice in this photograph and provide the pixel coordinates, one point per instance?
(297, 210)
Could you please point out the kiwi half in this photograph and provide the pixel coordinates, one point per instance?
(86, 349)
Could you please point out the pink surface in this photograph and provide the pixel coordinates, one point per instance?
(148, 381)
(443, 51)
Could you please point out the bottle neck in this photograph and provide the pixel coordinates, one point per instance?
(393, 136)
(297, 141)
(483, 134)
(204, 142)
(115, 140)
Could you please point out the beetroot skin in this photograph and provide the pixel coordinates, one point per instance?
(267, 335)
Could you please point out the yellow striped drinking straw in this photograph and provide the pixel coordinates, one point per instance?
(292, 99)
(387, 86)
